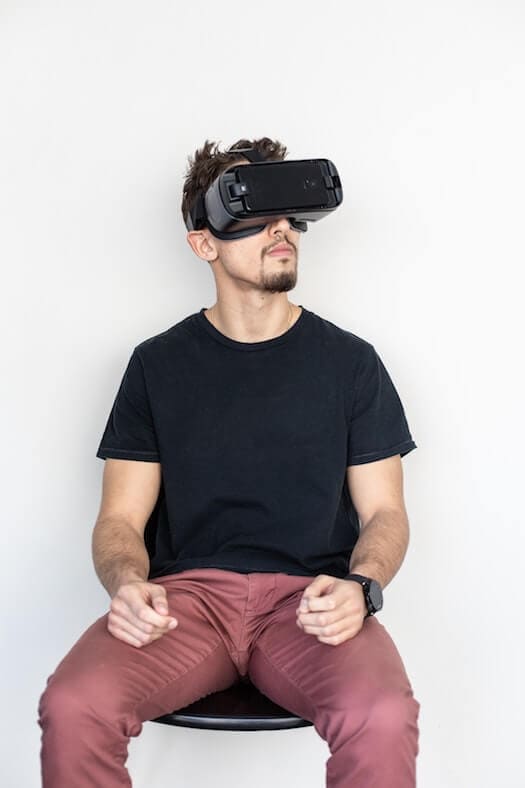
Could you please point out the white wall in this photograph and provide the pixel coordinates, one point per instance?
(421, 107)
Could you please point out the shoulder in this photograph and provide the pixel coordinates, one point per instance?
(167, 341)
(342, 338)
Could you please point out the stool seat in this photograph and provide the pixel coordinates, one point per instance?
(241, 707)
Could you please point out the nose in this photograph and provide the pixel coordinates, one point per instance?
(279, 225)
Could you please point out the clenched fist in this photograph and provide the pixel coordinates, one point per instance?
(139, 613)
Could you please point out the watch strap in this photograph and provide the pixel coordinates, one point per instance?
(365, 584)
(360, 578)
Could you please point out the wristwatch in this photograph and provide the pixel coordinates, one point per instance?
(372, 591)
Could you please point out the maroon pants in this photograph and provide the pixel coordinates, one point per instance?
(357, 693)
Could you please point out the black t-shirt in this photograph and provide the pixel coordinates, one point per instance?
(254, 439)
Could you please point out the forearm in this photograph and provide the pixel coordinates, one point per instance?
(119, 554)
(381, 547)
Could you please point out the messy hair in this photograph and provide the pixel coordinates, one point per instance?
(208, 162)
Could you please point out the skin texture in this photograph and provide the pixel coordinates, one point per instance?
(334, 609)
(251, 306)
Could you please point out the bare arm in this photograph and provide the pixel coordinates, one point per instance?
(139, 609)
(381, 547)
(119, 554)
(376, 489)
(129, 492)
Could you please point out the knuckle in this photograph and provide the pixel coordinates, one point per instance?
(121, 635)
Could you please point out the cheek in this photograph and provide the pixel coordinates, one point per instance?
(241, 254)
(250, 248)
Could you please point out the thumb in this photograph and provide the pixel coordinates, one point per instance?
(159, 601)
(318, 587)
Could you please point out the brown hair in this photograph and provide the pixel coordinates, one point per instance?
(208, 162)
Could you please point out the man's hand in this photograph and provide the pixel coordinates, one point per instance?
(332, 608)
(139, 613)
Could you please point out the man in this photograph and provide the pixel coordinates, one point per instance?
(263, 444)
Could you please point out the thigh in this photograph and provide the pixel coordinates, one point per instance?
(137, 684)
(296, 670)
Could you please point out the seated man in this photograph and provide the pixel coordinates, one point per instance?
(261, 444)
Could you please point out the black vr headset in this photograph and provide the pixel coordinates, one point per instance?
(246, 197)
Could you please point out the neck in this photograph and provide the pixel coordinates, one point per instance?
(248, 325)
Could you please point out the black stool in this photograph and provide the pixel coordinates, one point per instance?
(241, 707)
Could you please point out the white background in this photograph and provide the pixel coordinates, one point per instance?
(421, 107)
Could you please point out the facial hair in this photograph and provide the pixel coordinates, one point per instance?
(279, 281)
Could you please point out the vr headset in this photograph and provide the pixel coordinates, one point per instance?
(246, 197)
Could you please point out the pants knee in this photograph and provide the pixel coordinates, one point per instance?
(66, 703)
(59, 703)
(394, 714)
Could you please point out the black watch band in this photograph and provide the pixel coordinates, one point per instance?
(371, 590)
(360, 578)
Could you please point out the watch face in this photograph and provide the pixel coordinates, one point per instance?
(376, 595)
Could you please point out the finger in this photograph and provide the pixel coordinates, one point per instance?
(130, 626)
(146, 615)
(317, 604)
(122, 633)
(320, 631)
(334, 640)
(126, 613)
(123, 607)
(137, 599)
(330, 612)
(325, 617)
(314, 626)
(159, 603)
(144, 626)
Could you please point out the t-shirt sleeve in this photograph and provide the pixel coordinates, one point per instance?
(130, 433)
(378, 426)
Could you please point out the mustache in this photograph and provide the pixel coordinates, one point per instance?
(285, 240)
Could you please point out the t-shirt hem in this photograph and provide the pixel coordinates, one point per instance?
(230, 568)
(400, 448)
(127, 454)
(244, 566)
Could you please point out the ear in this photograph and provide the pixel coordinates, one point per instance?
(202, 244)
